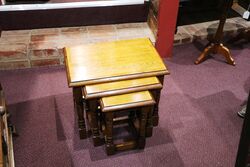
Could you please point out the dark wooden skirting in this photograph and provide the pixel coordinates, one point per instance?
(30, 19)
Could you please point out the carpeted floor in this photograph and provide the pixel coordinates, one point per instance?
(198, 121)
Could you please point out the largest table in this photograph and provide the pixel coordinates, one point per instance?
(109, 61)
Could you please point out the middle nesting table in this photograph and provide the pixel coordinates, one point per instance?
(92, 94)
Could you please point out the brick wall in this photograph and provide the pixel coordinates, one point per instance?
(43, 47)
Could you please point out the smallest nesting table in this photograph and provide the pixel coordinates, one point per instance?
(107, 62)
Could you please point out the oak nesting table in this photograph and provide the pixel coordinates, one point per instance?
(108, 62)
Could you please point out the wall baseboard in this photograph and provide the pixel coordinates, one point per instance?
(31, 19)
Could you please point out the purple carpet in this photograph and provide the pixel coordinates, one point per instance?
(198, 125)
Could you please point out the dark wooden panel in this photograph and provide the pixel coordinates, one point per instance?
(243, 154)
(10, 20)
(198, 11)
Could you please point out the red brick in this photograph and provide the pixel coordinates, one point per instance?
(45, 62)
(37, 54)
(15, 39)
(74, 36)
(52, 52)
(43, 45)
(35, 38)
(61, 53)
(49, 37)
(73, 29)
(21, 47)
(13, 51)
(16, 33)
(45, 31)
(12, 55)
(44, 53)
(14, 64)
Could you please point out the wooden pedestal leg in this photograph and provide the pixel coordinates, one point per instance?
(216, 49)
(110, 147)
(78, 101)
(226, 53)
(142, 129)
(208, 50)
(94, 123)
(216, 46)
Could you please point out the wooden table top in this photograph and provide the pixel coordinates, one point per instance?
(120, 87)
(104, 87)
(125, 101)
(112, 61)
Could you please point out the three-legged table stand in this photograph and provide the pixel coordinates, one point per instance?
(215, 46)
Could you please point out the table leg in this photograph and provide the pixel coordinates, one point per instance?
(94, 122)
(142, 130)
(78, 102)
(110, 147)
(157, 95)
(149, 124)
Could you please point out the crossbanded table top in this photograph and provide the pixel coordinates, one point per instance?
(112, 61)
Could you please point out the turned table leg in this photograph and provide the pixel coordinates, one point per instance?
(78, 102)
(157, 95)
(94, 122)
(149, 123)
(110, 147)
(142, 130)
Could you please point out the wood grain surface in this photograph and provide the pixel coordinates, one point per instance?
(120, 87)
(112, 61)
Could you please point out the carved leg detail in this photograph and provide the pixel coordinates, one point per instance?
(142, 131)
(149, 125)
(157, 95)
(110, 147)
(78, 102)
(155, 116)
(94, 123)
